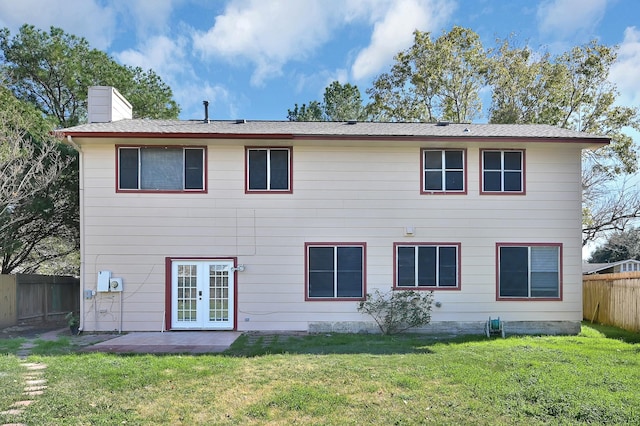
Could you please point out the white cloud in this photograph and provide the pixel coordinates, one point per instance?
(221, 102)
(146, 16)
(624, 72)
(564, 18)
(267, 34)
(85, 18)
(164, 55)
(393, 32)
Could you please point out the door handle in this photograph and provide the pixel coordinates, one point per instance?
(200, 294)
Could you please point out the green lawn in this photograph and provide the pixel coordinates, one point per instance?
(339, 379)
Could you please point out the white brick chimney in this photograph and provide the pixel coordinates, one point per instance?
(106, 104)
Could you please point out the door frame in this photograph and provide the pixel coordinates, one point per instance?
(168, 299)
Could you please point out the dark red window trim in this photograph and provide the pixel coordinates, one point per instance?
(335, 244)
(524, 172)
(267, 191)
(530, 299)
(444, 192)
(427, 288)
(204, 189)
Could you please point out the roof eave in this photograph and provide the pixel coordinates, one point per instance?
(589, 142)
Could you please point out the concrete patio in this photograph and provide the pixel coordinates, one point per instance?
(193, 342)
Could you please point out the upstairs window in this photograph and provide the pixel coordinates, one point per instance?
(173, 169)
(268, 170)
(503, 171)
(443, 170)
(427, 266)
(529, 271)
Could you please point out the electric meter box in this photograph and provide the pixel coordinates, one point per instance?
(108, 284)
(115, 284)
(103, 280)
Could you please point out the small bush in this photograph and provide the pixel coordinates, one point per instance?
(398, 311)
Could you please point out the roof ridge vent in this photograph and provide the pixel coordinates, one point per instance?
(241, 121)
(443, 123)
(352, 121)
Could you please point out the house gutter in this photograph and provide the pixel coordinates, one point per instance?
(71, 143)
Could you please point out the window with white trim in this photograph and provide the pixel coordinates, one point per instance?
(529, 271)
(503, 171)
(427, 266)
(268, 169)
(150, 168)
(443, 170)
(335, 271)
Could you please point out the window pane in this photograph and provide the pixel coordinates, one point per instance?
(512, 181)
(514, 271)
(433, 159)
(492, 160)
(279, 169)
(453, 159)
(128, 163)
(321, 284)
(426, 266)
(257, 169)
(349, 284)
(513, 161)
(350, 271)
(161, 168)
(406, 268)
(321, 272)
(321, 258)
(433, 181)
(545, 272)
(193, 168)
(454, 181)
(544, 284)
(448, 266)
(492, 181)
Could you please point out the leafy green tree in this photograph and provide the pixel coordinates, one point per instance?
(52, 71)
(341, 102)
(619, 246)
(433, 80)
(573, 91)
(312, 112)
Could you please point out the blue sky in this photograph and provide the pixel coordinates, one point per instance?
(254, 59)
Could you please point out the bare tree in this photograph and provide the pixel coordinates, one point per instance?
(30, 163)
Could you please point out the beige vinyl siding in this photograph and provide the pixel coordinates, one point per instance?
(340, 194)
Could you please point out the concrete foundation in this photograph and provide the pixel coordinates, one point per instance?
(455, 328)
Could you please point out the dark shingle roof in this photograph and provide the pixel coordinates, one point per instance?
(295, 129)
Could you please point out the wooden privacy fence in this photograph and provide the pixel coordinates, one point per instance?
(612, 299)
(28, 297)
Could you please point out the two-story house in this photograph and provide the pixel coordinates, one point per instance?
(268, 225)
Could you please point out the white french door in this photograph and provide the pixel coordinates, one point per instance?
(202, 294)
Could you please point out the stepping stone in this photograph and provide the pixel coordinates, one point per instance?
(34, 393)
(36, 382)
(34, 388)
(22, 403)
(34, 366)
(12, 412)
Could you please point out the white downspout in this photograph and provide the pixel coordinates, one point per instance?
(81, 201)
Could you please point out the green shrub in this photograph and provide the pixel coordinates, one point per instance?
(398, 311)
